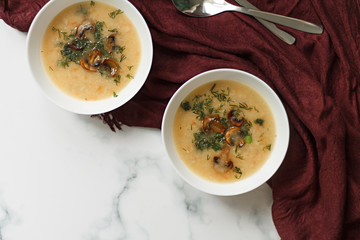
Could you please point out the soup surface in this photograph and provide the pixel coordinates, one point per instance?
(224, 131)
(91, 50)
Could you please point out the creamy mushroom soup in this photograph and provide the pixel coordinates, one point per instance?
(91, 50)
(224, 131)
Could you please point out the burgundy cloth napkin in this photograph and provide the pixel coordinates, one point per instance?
(316, 191)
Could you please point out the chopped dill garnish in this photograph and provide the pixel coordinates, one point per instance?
(245, 106)
(98, 28)
(54, 29)
(129, 76)
(259, 121)
(122, 58)
(60, 44)
(92, 3)
(103, 72)
(61, 33)
(63, 62)
(237, 171)
(117, 79)
(113, 30)
(130, 67)
(74, 49)
(119, 49)
(216, 146)
(115, 95)
(185, 105)
(83, 10)
(222, 95)
(205, 141)
(268, 147)
(115, 13)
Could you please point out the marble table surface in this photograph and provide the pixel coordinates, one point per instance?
(68, 176)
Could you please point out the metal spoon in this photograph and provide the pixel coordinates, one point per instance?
(285, 36)
(207, 8)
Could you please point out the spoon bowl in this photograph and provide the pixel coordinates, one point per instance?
(207, 8)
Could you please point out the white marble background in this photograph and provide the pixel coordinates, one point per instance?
(67, 176)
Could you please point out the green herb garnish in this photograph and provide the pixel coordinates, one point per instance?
(115, 95)
(220, 95)
(115, 13)
(61, 33)
(245, 106)
(237, 171)
(122, 58)
(83, 10)
(204, 141)
(259, 121)
(60, 44)
(201, 141)
(63, 62)
(117, 79)
(98, 29)
(119, 49)
(185, 105)
(113, 30)
(248, 139)
(245, 128)
(268, 147)
(71, 55)
(77, 48)
(129, 76)
(103, 72)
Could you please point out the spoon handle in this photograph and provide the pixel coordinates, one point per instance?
(286, 37)
(283, 20)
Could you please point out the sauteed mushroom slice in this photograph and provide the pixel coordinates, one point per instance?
(73, 46)
(234, 120)
(222, 164)
(92, 62)
(234, 136)
(111, 66)
(82, 28)
(212, 124)
(241, 142)
(110, 43)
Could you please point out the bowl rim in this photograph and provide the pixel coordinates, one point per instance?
(62, 99)
(238, 187)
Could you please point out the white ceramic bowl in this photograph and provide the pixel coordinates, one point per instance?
(278, 149)
(34, 41)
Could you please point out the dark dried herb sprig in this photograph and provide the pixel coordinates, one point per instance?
(238, 172)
